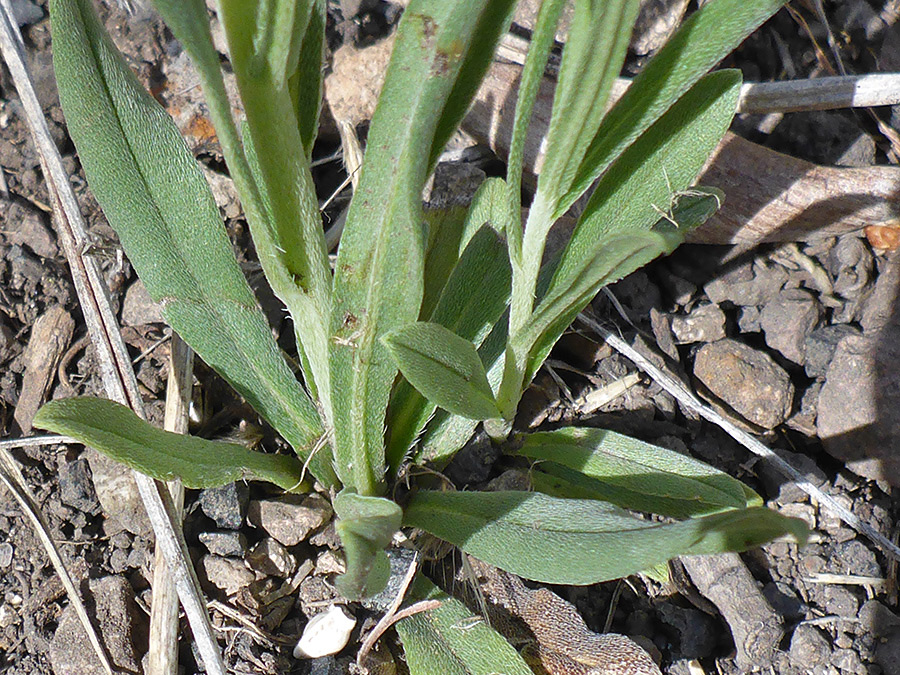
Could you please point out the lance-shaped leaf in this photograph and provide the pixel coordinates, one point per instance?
(118, 433)
(365, 525)
(575, 541)
(378, 282)
(613, 237)
(601, 464)
(444, 367)
(290, 239)
(472, 301)
(592, 58)
(449, 639)
(701, 42)
(155, 197)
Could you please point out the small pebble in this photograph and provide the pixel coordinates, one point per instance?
(809, 647)
(271, 558)
(291, 519)
(325, 634)
(228, 543)
(746, 379)
(6, 554)
(705, 323)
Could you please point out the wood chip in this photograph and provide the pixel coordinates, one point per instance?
(50, 338)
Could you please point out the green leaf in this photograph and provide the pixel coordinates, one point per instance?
(542, 40)
(572, 541)
(444, 367)
(472, 302)
(118, 433)
(592, 59)
(601, 464)
(701, 42)
(378, 283)
(288, 231)
(613, 237)
(444, 228)
(449, 640)
(477, 51)
(155, 197)
(365, 525)
(305, 84)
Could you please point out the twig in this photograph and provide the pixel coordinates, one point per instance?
(392, 616)
(115, 368)
(163, 652)
(691, 402)
(823, 93)
(12, 478)
(48, 439)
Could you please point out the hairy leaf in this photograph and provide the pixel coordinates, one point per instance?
(601, 464)
(378, 282)
(613, 237)
(470, 306)
(444, 367)
(365, 525)
(117, 432)
(573, 541)
(449, 640)
(155, 197)
(701, 42)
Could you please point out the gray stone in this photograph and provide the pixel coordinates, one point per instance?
(138, 307)
(26, 12)
(880, 307)
(820, 347)
(748, 319)
(226, 505)
(848, 661)
(6, 555)
(75, 486)
(747, 284)
(271, 558)
(841, 601)
(29, 229)
(228, 574)
(854, 557)
(704, 323)
(291, 519)
(228, 543)
(887, 654)
(787, 320)
(809, 647)
(747, 380)
(114, 614)
(118, 494)
(859, 406)
(877, 619)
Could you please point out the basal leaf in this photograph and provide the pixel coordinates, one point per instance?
(450, 640)
(444, 367)
(600, 464)
(305, 84)
(118, 433)
(378, 283)
(613, 237)
(701, 42)
(471, 304)
(573, 541)
(365, 525)
(155, 197)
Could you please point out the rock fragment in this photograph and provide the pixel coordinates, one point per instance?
(747, 380)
